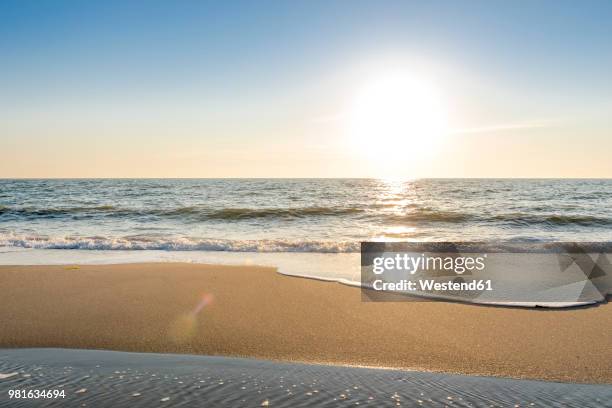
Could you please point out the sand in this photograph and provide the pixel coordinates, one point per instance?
(256, 312)
(121, 379)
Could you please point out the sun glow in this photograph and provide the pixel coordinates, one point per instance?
(396, 116)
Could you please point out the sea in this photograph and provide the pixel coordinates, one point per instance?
(304, 227)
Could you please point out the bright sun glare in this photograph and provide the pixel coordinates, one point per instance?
(394, 116)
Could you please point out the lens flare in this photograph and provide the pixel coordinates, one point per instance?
(184, 327)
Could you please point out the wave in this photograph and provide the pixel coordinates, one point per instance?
(189, 212)
(174, 244)
(33, 212)
(515, 219)
(379, 213)
(553, 220)
(245, 213)
(430, 215)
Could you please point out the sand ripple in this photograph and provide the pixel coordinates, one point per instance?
(120, 379)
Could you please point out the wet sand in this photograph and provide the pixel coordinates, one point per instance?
(118, 379)
(255, 312)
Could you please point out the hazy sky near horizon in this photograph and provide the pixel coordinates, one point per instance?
(265, 89)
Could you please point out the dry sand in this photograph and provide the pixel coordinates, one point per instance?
(255, 312)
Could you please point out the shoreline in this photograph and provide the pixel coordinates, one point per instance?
(343, 268)
(255, 312)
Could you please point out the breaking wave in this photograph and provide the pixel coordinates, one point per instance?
(174, 244)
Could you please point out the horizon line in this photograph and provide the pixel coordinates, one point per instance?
(305, 178)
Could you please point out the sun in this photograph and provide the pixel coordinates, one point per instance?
(396, 115)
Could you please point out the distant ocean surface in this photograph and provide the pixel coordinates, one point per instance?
(221, 220)
(318, 215)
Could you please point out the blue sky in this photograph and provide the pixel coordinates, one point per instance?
(206, 89)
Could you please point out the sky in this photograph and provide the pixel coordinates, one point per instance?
(292, 89)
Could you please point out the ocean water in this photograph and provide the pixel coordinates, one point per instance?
(318, 215)
(308, 227)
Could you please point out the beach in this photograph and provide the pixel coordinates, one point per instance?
(122, 379)
(305, 204)
(250, 311)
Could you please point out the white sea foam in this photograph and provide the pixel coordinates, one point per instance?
(341, 267)
(344, 268)
(34, 241)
